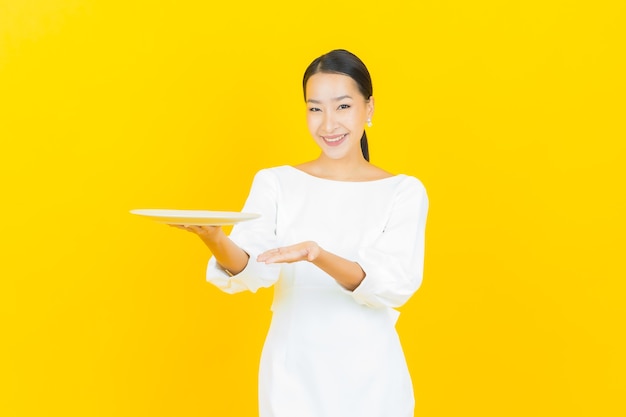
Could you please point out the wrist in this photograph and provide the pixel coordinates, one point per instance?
(315, 253)
(212, 235)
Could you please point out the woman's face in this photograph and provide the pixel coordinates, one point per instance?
(336, 114)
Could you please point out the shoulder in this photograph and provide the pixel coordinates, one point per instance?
(411, 182)
(272, 176)
(272, 171)
(410, 190)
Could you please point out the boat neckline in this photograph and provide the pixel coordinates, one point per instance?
(343, 181)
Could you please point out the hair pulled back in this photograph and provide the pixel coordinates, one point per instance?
(340, 61)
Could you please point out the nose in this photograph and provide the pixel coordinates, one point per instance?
(329, 122)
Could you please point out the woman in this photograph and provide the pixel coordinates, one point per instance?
(342, 241)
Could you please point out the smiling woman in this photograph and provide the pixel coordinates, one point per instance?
(342, 241)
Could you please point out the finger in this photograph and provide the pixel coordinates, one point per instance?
(284, 256)
(264, 256)
(177, 226)
(186, 227)
(271, 256)
(275, 259)
(268, 253)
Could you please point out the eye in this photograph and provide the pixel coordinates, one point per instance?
(344, 106)
(314, 109)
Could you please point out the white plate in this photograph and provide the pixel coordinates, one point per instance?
(195, 217)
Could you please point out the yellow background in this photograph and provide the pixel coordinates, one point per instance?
(511, 113)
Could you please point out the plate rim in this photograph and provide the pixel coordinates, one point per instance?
(198, 217)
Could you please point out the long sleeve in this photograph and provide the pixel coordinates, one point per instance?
(254, 237)
(394, 263)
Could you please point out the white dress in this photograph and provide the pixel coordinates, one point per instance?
(331, 352)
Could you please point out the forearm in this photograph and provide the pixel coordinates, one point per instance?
(227, 254)
(347, 273)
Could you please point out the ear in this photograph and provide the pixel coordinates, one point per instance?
(370, 107)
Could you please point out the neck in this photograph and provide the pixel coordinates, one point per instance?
(341, 169)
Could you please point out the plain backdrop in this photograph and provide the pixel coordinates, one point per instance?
(511, 113)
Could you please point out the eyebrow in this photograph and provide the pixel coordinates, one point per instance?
(335, 99)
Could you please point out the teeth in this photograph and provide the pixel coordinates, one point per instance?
(336, 139)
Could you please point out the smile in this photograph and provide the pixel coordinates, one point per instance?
(334, 139)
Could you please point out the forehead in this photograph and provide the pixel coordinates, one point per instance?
(330, 85)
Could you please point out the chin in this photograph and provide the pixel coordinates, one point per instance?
(338, 155)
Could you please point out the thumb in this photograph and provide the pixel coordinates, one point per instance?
(312, 253)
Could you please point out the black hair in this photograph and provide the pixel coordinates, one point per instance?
(340, 61)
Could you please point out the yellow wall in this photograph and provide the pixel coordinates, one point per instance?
(512, 114)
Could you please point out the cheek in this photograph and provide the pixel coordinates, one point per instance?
(353, 118)
(311, 121)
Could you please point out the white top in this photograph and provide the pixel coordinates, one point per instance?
(331, 352)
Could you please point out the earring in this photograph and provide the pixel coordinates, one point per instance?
(369, 122)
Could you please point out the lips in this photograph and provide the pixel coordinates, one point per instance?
(334, 140)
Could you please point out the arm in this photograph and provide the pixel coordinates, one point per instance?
(227, 254)
(394, 263)
(232, 266)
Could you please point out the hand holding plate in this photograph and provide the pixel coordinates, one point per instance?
(202, 231)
